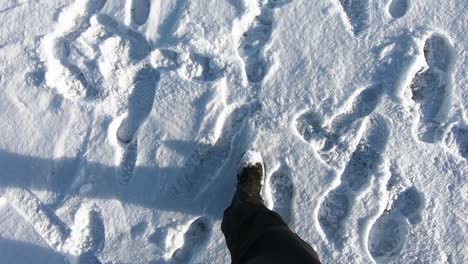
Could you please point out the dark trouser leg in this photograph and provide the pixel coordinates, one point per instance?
(254, 233)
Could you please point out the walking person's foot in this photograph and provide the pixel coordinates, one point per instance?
(251, 173)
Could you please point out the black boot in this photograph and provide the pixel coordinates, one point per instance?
(250, 178)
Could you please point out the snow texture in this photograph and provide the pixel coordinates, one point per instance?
(124, 121)
(250, 157)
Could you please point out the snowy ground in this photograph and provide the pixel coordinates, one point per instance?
(123, 122)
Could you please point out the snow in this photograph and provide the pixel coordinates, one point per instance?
(124, 121)
(250, 157)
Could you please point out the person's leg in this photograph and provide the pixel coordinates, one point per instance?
(244, 222)
(255, 234)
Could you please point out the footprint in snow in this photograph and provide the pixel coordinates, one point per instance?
(431, 88)
(328, 138)
(192, 181)
(277, 3)
(458, 138)
(80, 65)
(398, 8)
(362, 165)
(362, 106)
(252, 44)
(87, 235)
(139, 48)
(127, 163)
(140, 11)
(387, 235)
(199, 68)
(282, 191)
(63, 71)
(195, 239)
(254, 40)
(357, 12)
(139, 229)
(140, 103)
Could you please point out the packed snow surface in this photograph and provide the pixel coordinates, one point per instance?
(123, 123)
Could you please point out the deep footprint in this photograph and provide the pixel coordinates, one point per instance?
(461, 139)
(82, 87)
(388, 234)
(362, 165)
(201, 68)
(282, 190)
(140, 11)
(333, 210)
(95, 6)
(86, 258)
(128, 162)
(430, 88)
(357, 12)
(88, 235)
(367, 156)
(252, 44)
(277, 3)
(140, 103)
(207, 164)
(398, 8)
(139, 229)
(195, 239)
(363, 105)
(139, 46)
(254, 39)
(208, 159)
(310, 125)
(71, 82)
(164, 60)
